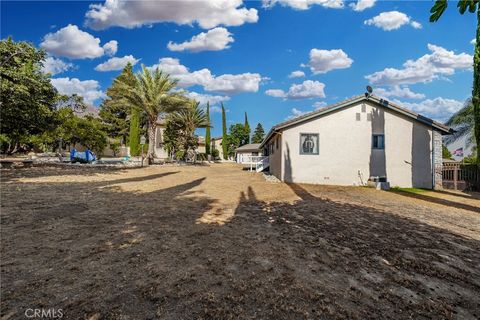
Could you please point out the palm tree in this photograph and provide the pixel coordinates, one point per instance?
(190, 118)
(463, 123)
(153, 92)
(472, 6)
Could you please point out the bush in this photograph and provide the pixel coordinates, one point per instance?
(215, 153)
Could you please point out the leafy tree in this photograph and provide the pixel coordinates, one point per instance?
(258, 134)
(247, 127)
(153, 92)
(171, 136)
(446, 154)
(189, 119)
(134, 134)
(115, 110)
(472, 6)
(238, 137)
(27, 99)
(208, 137)
(224, 134)
(89, 133)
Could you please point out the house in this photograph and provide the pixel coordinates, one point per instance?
(245, 153)
(358, 139)
(216, 143)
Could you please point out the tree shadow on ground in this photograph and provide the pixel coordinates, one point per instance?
(436, 200)
(142, 255)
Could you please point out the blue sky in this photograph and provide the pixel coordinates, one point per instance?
(244, 53)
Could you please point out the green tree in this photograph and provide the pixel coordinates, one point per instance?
(153, 92)
(134, 133)
(473, 6)
(28, 99)
(189, 119)
(247, 127)
(114, 110)
(446, 154)
(238, 137)
(208, 137)
(258, 134)
(224, 134)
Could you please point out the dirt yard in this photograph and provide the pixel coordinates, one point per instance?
(215, 242)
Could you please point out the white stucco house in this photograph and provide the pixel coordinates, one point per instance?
(355, 140)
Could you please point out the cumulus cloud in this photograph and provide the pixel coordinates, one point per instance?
(297, 74)
(55, 66)
(116, 63)
(111, 47)
(204, 98)
(322, 61)
(74, 43)
(226, 83)
(214, 40)
(361, 5)
(207, 13)
(439, 108)
(319, 105)
(399, 92)
(440, 62)
(392, 20)
(88, 89)
(304, 4)
(474, 41)
(307, 89)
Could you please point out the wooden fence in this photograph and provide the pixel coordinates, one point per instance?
(458, 176)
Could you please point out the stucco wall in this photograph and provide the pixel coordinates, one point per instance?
(275, 158)
(345, 153)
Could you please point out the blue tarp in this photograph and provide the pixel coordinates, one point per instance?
(86, 156)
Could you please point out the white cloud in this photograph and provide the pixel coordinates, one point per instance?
(214, 40)
(111, 47)
(55, 66)
(207, 13)
(322, 61)
(204, 98)
(277, 93)
(440, 62)
(399, 92)
(297, 74)
(439, 108)
(304, 4)
(392, 20)
(226, 83)
(74, 43)
(88, 89)
(474, 41)
(319, 104)
(362, 5)
(305, 90)
(116, 63)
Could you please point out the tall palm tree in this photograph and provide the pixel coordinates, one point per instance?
(153, 92)
(191, 117)
(463, 123)
(472, 6)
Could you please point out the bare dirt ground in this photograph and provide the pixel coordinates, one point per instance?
(215, 242)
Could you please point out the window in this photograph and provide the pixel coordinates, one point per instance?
(358, 116)
(378, 141)
(276, 142)
(309, 143)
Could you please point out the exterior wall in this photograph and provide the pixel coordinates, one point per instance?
(346, 156)
(275, 157)
(160, 152)
(217, 144)
(437, 160)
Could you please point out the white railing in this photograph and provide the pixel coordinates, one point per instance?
(259, 163)
(263, 164)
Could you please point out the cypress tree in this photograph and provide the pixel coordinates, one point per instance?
(247, 127)
(134, 135)
(207, 131)
(224, 135)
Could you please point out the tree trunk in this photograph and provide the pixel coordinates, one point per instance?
(476, 87)
(152, 126)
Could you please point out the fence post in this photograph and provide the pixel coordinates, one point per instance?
(455, 177)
